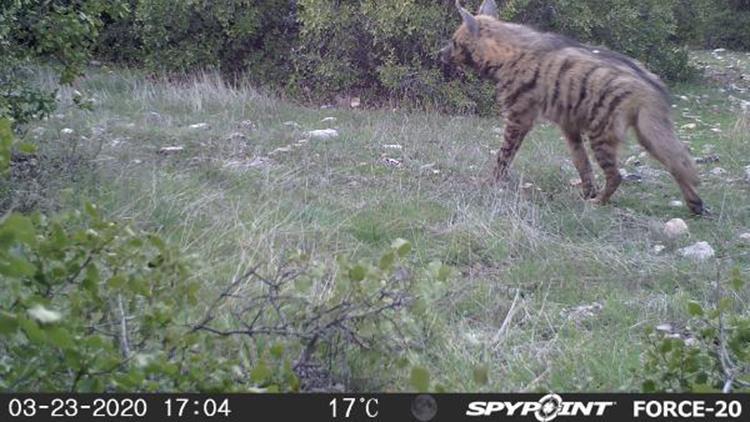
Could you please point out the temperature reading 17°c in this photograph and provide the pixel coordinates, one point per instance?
(349, 407)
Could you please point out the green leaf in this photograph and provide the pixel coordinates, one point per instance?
(420, 379)
(386, 261)
(357, 273)
(32, 330)
(91, 279)
(666, 347)
(695, 309)
(16, 267)
(8, 323)
(260, 374)
(648, 386)
(277, 350)
(481, 375)
(116, 281)
(59, 337)
(401, 246)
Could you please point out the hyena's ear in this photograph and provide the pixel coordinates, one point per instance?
(488, 8)
(471, 22)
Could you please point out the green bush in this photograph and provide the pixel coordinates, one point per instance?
(711, 354)
(232, 35)
(89, 304)
(62, 31)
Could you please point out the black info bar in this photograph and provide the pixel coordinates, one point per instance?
(375, 407)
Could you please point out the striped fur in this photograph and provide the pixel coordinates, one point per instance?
(590, 93)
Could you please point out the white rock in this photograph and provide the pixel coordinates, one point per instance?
(171, 150)
(328, 119)
(700, 251)
(356, 102)
(199, 126)
(323, 134)
(676, 204)
(665, 328)
(718, 171)
(236, 136)
(745, 237)
(747, 174)
(675, 227)
(689, 126)
(66, 131)
(280, 149)
(659, 249)
(393, 146)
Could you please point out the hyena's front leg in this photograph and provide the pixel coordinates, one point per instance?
(515, 132)
(582, 163)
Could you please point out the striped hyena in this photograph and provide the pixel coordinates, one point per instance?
(588, 92)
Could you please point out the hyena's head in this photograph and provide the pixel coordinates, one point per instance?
(458, 51)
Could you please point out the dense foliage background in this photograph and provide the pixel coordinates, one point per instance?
(320, 50)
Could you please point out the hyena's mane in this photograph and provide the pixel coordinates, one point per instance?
(530, 39)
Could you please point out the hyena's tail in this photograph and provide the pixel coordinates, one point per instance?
(655, 132)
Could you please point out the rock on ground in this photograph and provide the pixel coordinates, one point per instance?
(675, 227)
(323, 134)
(700, 251)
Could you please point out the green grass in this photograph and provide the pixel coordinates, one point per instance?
(542, 246)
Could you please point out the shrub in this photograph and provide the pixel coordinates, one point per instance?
(62, 30)
(711, 354)
(89, 304)
(228, 34)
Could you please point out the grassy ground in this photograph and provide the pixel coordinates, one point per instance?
(572, 285)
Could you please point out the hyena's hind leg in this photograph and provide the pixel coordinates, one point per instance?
(515, 132)
(605, 152)
(582, 163)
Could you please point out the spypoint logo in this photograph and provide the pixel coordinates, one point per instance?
(546, 409)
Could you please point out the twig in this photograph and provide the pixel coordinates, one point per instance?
(508, 318)
(123, 329)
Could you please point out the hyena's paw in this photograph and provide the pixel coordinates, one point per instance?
(500, 175)
(598, 200)
(589, 192)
